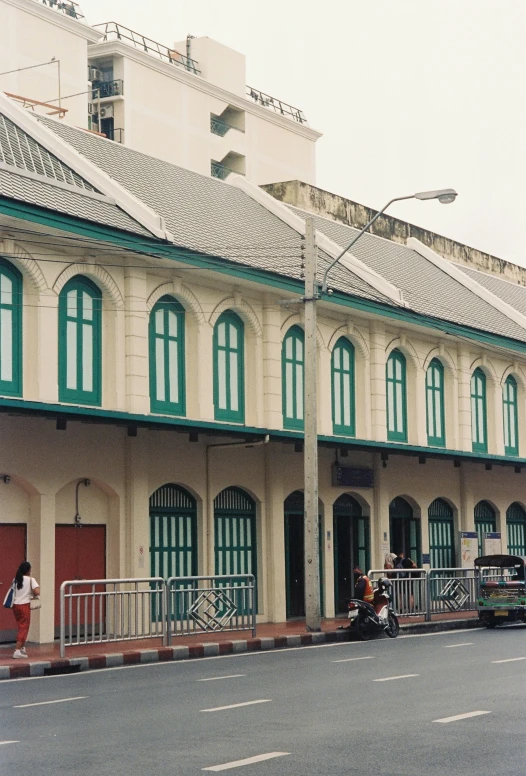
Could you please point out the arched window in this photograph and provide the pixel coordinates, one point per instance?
(10, 330)
(343, 393)
(485, 521)
(79, 342)
(516, 529)
(396, 397)
(293, 361)
(509, 407)
(229, 369)
(436, 432)
(167, 366)
(479, 434)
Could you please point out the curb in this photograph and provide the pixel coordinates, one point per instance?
(20, 670)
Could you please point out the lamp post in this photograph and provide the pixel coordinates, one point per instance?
(310, 448)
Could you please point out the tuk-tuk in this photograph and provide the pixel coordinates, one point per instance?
(500, 589)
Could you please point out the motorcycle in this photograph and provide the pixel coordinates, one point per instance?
(367, 620)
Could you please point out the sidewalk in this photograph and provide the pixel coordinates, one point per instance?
(44, 659)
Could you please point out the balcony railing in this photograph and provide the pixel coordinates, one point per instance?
(103, 89)
(276, 105)
(221, 171)
(67, 8)
(116, 134)
(220, 127)
(114, 31)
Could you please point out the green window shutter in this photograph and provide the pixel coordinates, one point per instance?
(235, 540)
(292, 377)
(10, 330)
(479, 423)
(79, 342)
(516, 529)
(167, 357)
(441, 535)
(343, 388)
(485, 521)
(396, 397)
(229, 369)
(510, 412)
(436, 432)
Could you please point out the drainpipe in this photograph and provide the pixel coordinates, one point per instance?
(209, 506)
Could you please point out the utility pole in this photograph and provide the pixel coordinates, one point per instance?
(310, 447)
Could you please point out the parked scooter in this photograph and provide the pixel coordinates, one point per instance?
(367, 620)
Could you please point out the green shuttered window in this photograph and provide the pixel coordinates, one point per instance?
(80, 352)
(343, 392)
(485, 521)
(510, 412)
(293, 355)
(167, 357)
(229, 377)
(10, 330)
(479, 422)
(436, 432)
(396, 397)
(516, 529)
(441, 535)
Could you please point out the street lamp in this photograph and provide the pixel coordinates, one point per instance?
(310, 447)
(445, 196)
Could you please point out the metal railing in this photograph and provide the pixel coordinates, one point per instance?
(116, 134)
(114, 31)
(101, 89)
(221, 171)
(220, 127)
(66, 8)
(97, 611)
(278, 106)
(211, 604)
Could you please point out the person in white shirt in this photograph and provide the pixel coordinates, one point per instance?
(26, 588)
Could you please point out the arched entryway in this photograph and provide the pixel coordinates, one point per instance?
(295, 555)
(441, 535)
(485, 521)
(173, 532)
(516, 529)
(405, 530)
(351, 546)
(235, 533)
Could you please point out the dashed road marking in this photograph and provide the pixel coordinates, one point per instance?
(509, 660)
(238, 705)
(350, 659)
(392, 678)
(46, 703)
(452, 646)
(3, 743)
(217, 678)
(248, 761)
(458, 717)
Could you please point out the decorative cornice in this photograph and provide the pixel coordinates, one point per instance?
(96, 273)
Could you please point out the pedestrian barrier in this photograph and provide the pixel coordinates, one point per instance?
(97, 611)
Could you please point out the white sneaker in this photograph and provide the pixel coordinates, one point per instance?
(23, 651)
(18, 653)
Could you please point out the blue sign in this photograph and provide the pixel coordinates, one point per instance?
(352, 476)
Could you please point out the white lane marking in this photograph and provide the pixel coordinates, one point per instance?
(452, 646)
(217, 678)
(462, 716)
(3, 743)
(509, 660)
(392, 678)
(237, 705)
(248, 761)
(46, 703)
(350, 659)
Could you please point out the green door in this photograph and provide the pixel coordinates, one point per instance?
(441, 535)
(173, 533)
(485, 521)
(235, 534)
(351, 546)
(404, 529)
(295, 555)
(516, 529)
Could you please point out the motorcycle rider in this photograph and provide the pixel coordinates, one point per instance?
(362, 586)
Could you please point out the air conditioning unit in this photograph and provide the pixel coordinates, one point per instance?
(106, 112)
(94, 74)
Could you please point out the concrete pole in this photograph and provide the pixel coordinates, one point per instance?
(310, 449)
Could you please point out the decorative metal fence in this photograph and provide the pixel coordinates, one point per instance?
(211, 604)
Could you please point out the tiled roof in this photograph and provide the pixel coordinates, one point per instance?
(512, 293)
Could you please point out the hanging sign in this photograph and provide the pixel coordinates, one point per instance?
(352, 476)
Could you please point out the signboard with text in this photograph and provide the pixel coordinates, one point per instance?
(469, 548)
(352, 476)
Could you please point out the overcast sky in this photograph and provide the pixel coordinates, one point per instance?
(409, 95)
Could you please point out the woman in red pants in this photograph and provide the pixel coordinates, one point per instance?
(26, 588)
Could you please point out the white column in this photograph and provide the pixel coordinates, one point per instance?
(378, 411)
(273, 417)
(41, 554)
(136, 534)
(464, 399)
(136, 338)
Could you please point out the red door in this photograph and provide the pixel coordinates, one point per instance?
(80, 553)
(12, 553)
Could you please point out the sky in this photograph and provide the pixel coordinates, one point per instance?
(410, 95)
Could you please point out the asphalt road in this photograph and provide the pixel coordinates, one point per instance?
(383, 707)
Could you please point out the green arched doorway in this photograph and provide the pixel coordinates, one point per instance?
(441, 535)
(405, 532)
(173, 532)
(295, 555)
(516, 529)
(485, 521)
(351, 546)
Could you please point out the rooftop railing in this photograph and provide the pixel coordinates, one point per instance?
(276, 105)
(67, 8)
(114, 31)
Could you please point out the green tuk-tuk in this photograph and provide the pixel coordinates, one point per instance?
(500, 589)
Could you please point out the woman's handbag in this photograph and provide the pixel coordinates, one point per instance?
(10, 597)
(35, 603)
